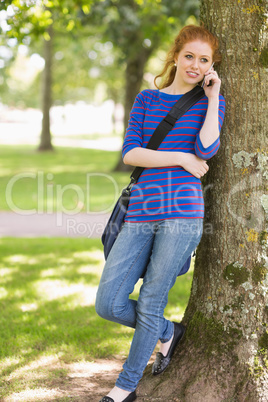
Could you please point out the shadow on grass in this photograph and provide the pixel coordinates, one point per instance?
(47, 295)
(47, 304)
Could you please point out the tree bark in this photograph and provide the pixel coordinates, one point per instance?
(45, 141)
(133, 76)
(223, 356)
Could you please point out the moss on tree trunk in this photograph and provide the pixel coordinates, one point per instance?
(224, 354)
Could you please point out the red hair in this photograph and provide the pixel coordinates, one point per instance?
(187, 34)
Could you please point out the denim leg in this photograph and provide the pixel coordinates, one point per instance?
(124, 266)
(174, 241)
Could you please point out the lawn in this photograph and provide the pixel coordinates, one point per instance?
(47, 294)
(69, 179)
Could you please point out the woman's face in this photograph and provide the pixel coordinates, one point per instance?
(193, 61)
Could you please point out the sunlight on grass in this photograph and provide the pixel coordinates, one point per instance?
(21, 259)
(89, 269)
(27, 259)
(47, 375)
(3, 293)
(34, 368)
(94, 254)
(6, 274)
(19, 293)
(88, 296)
(33, 394)
(57, 289)
(49, 272)
(7, 271)
(29, 307)
(9, 361)
(48, 317)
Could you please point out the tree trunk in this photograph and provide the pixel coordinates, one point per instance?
(224, 354)
(134, 76)
(45, 143)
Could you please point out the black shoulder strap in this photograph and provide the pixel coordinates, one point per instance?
(176, 112)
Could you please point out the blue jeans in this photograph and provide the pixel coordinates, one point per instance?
(160, 247)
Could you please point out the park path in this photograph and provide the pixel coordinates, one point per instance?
(52, 225)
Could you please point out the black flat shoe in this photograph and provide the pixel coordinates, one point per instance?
(161, 362)
(131, 397)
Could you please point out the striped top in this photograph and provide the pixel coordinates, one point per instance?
(167, 192)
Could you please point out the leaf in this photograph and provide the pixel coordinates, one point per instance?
(70, 25)
(86, 9)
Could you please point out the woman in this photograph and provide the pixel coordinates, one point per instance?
(163, 224)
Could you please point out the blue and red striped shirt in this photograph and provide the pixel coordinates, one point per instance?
(167, 192)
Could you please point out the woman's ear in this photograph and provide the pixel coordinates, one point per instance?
(176, 58)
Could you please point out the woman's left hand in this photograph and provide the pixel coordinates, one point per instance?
(214, 89)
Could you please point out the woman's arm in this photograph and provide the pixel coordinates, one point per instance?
(210, 129)
(149, 158)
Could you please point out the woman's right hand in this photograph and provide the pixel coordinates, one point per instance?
(194, 165)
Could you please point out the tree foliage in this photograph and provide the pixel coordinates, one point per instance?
(133, 24)
(31, 18)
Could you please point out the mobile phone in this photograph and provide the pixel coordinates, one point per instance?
(210, 83)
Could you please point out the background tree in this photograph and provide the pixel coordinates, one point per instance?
(29, 21)
(45, 140)
(224, 354)
(82, 64)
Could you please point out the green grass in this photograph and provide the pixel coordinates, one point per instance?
(69, 179)
(47, 294)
